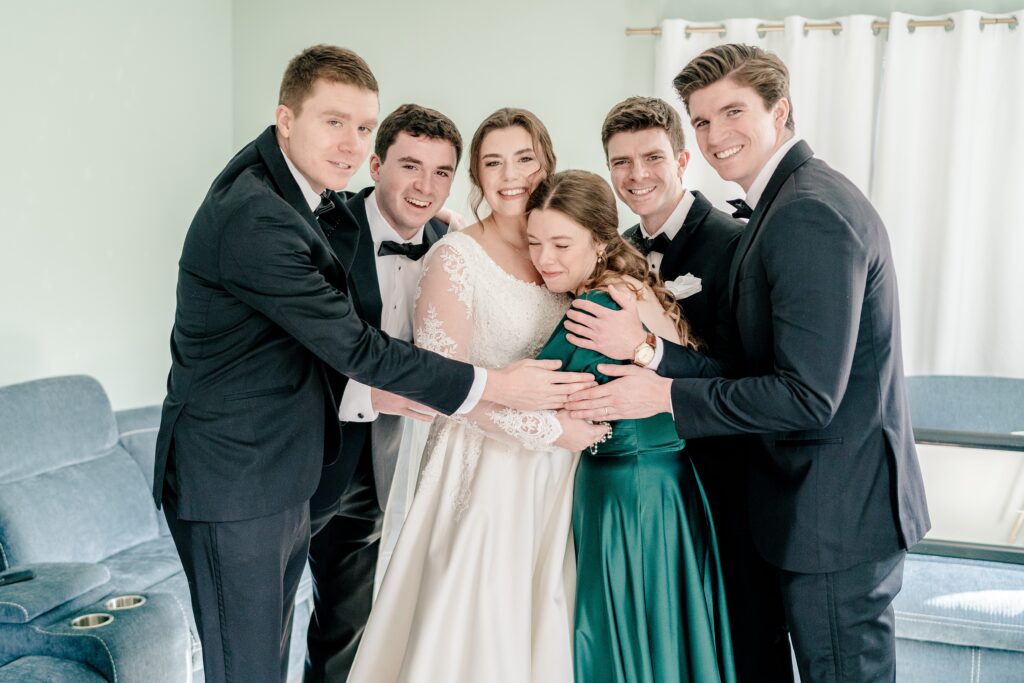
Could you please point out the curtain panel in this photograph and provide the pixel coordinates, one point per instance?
(929, 123)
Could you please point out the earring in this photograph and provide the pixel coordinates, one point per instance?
(600, 258)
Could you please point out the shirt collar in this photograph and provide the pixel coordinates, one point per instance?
(761, 181)
(675, 220)
(312, 198)
(380, 229)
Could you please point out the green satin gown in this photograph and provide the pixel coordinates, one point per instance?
(650, 606)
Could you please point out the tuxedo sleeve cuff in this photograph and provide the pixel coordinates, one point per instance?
(356, 405)
(476, 391)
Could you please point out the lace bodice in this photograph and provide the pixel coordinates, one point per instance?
(469, 308)
(509, 319)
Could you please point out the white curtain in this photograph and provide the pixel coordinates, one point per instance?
(929, 124)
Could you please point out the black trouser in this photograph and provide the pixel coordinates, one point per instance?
(243, 577)
(757, 621)
(842, 622)
(342, 559)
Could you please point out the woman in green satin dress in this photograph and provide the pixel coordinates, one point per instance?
(649, 600)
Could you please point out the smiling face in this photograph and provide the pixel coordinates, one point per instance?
(330, 136)
(509, 169)
(736, 132)
(563, 251)
(646, 174)
(413, 181)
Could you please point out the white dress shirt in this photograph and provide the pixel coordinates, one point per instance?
(476, 391)
(670, 228)
(761, 181)
(397, 277)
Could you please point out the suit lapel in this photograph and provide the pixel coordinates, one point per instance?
(699, 210)
(793, 159)
(273, 159)
(363, 277)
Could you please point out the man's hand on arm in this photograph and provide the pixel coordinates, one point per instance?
(615, 334)
(393, 404)
(534, 385)
(636, 394)
(579, 434)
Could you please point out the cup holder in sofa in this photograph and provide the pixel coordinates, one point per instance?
(95, 620)
(124, 602)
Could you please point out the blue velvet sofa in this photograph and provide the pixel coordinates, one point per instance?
(75, 507)
(960, 615)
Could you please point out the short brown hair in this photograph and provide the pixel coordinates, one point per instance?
(587, 199)
(642, 113)
(747, 65)
(506, 118)
(417, 121)
(332, 63)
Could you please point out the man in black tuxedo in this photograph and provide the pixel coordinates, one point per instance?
(264, 331)
(691, 244)
(415, 156)
(838, 497)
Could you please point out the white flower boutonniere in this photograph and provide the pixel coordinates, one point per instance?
(684, 286)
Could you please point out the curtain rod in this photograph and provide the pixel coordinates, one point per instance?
(832, 26)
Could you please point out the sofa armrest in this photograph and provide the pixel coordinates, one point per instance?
(54, 584)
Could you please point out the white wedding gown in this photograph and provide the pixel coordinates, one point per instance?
(481, 584)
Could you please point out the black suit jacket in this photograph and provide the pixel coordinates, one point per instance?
(813, 289)
(704, 246)
(366, 297)
(262, 320)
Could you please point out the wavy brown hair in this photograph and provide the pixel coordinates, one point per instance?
(588, 200)
(506, 118)
(747, 65)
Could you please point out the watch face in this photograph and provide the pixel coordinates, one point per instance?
(645, 354)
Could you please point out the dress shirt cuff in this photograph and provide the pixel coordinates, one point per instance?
(356, 405)
(476, 391)
(659, 352)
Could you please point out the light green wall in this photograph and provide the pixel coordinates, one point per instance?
(118, 115)
(115, 117)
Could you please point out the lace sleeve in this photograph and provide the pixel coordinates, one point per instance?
(443, 323)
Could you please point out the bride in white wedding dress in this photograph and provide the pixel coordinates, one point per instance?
(480, 586)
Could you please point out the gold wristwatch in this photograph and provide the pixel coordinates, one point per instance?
(643, 354)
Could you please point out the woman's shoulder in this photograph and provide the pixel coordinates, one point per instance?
(455, 244)
(599, 296)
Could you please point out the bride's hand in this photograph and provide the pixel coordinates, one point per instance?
(534, 385)
(579, 434)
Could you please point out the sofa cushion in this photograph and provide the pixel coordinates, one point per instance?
(137, 429)
(144, 566)
(971, 603)
(83, 512)
(52, 423)
(992, 405)
(68, 490)
(48, 670)
(53, 585)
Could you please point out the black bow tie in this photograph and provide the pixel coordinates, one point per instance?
(326, 204)
(406, 249)
(743, 209)
(659, 243)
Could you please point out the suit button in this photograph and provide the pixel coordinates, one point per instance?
(360, 415)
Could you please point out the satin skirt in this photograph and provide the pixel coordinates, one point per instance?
(481, 583)
(650, 606)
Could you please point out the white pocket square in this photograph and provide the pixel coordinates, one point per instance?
(683, 286)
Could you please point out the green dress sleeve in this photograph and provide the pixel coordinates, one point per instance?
(574, 358)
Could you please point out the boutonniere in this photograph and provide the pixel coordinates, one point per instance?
(683, 286)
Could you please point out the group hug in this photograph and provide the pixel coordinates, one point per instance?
(682, 453)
